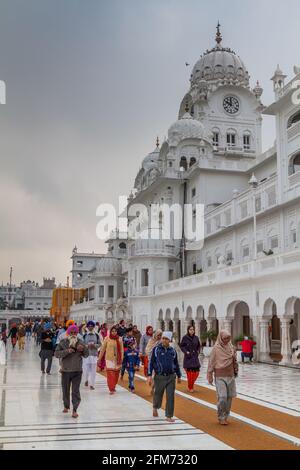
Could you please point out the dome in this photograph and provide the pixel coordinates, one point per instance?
(186, 128)
(220, 63)
(151, 160)
(109, 265)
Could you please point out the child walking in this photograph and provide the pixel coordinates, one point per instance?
(131, 362)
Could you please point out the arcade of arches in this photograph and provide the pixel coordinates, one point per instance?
(274, 334)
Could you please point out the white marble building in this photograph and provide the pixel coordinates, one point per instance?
(38, 297)
(29, 295)
(101, 275)
(28, 300)
(11, 295)
(246, 277)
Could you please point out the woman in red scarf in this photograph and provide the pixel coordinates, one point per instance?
(113, 350)
(103, 332)
(144, 341)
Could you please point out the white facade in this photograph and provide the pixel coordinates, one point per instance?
(38, 297)
(29, 295)
(247, 275)
(11, 295)
(102, 278)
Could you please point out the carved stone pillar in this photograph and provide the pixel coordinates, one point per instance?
(197, 328)
(221, 324)
(255, 333)
(227, 325)
(286, 350)
(185, 325)
(264, 344)
(175, 332)
(209, 324)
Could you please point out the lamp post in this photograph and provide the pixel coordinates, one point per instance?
(182, 247)
(253, 185)
(125, 291)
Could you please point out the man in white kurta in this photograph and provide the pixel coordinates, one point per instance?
(92, 341)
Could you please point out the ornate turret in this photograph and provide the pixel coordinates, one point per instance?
(258, 90)
(278, 80)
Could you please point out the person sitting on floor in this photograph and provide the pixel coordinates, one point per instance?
(247, 348)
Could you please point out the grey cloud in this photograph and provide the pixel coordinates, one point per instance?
(89, 86)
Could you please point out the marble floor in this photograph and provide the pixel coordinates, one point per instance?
(269, 385)
(31, 415)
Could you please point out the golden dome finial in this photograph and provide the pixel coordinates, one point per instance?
(218, 35)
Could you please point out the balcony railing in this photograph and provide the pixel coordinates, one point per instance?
(294, 179)
(151, 248)
(142, 291)
(233, 149)
(293, 131)
(241, 207)
(252, 269)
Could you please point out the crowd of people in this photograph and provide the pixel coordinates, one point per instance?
(89, 348)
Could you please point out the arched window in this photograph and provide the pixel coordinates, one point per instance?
(160, 220)
(192, 161)
(217, 255)
(183, 163)
(122, 246)
(293, 234)
(273, 239)
(294, 165)
(293, 119)
(245, 249)
(216, 137)
(247, 140)
(208, 260)
(231, 138)
(228, 254)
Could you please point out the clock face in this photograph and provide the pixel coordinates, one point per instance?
(231, 105)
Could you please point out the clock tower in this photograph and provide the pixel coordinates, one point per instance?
(221, 98)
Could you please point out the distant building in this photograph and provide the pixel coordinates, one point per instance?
(101, 275)
(29, 295)
(12, 296)
(38, 297)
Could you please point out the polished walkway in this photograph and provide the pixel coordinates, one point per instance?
(31, 415)
(272, 386)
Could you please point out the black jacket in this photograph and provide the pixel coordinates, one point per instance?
(190, 346)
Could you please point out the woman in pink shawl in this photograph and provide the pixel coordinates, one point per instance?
(224, 368)
(104, 333)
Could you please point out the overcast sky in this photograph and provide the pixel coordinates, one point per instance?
(90, 84)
